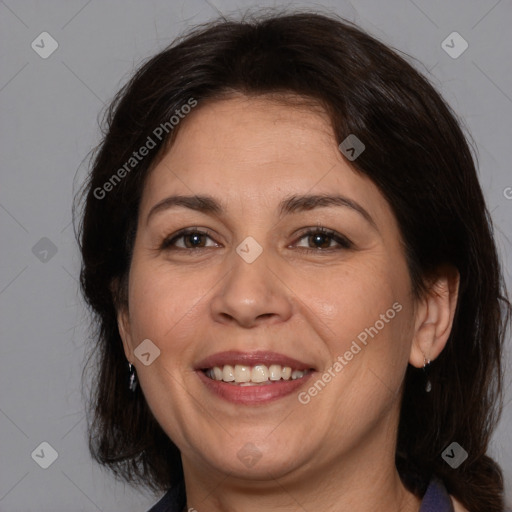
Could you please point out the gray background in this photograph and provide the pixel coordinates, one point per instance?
(48, 124)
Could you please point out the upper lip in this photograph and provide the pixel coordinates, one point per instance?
(234, 357)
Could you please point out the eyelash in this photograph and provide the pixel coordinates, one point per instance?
(344, 243)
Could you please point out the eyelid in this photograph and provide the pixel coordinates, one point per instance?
(169, 240)
(342, 241)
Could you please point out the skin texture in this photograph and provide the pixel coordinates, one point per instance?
(337, 451)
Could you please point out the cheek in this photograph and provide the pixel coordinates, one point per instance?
(161, 307)
(364, 313)
(348, 301)
(159, 300)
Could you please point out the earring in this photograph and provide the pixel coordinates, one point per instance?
(133, 379)
(426, 364)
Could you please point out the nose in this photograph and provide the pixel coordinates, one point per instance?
(252, 294)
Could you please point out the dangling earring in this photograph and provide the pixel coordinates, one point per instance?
(133, 379)
(426, 364)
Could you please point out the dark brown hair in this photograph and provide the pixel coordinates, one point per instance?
(417, 155)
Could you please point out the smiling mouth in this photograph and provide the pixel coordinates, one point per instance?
(257, 375)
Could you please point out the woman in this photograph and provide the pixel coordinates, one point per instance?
(294, 278)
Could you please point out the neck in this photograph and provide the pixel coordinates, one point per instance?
(364, 480)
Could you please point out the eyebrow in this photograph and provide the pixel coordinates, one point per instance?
(292, 204)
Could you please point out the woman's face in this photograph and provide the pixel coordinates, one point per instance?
(264, 285)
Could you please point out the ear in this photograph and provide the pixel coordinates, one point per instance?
(434, 316)
(123, 324)
(123, 319)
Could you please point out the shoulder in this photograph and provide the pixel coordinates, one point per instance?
(457, 506)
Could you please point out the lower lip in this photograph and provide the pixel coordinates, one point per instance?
(249, 395)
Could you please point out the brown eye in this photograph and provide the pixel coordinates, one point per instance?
(187, 239)
(319, 239)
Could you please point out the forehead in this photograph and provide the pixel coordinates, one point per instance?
(237, 135)
(255, 150)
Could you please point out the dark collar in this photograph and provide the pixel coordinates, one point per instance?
(436, 499)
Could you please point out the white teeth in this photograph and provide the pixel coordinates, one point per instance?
(286, 373)
(228, 374)
(242, 373)
(275, 371)
(258, 374)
